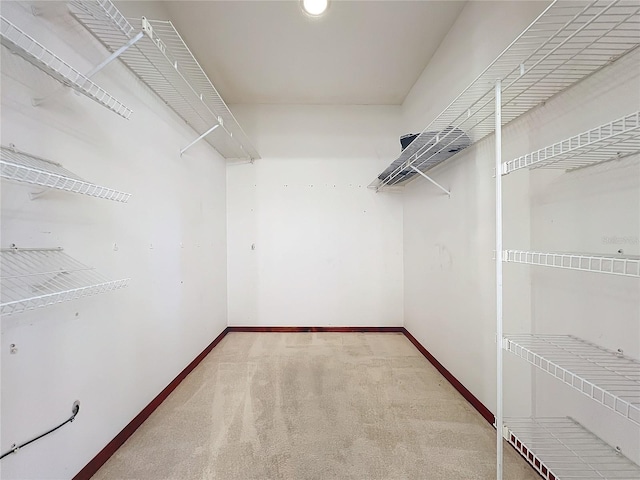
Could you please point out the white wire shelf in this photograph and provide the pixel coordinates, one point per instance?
(607, 377)
(627, 266)
(26, 168)
(561, 448)
(616, 139)
(22, 44)
(34, 278)
(162, 60)
(566, 43)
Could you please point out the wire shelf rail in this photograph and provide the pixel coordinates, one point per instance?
(29, 49)
(26, 168)
(35, 278)
(613, 140)
(607, 377)
(566, 43)
(561, 448)
(162, 60)
(625, 266)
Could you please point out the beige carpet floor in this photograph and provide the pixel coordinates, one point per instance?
(313, 406)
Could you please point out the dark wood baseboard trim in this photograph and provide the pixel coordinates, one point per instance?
(318, 329)
(470, 397)
(94, 465)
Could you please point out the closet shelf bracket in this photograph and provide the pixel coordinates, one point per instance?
(115, 54)
(38, 101)
(432, 181)
(29, 49)
(200, 137)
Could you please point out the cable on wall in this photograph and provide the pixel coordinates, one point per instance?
(14, 449)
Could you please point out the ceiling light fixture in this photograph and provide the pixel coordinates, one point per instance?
(315, 8)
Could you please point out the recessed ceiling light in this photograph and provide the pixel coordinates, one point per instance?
(314, 8)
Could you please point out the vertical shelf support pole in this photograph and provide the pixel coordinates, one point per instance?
(499, 406)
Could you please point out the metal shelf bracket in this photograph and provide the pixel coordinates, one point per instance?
(198, 139)
(39, 100)
(115, 54)
(432, 181)
(44, 59)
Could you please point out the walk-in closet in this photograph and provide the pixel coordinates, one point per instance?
(320, 239)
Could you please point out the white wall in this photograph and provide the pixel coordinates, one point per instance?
(449, 242)
(328, 251)
(113, 352)
(449, 270)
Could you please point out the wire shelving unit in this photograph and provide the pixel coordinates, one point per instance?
(34, 278)
(607, 377)
(561, 448)
(565, 44)
(625, 266)
(26, 168)
(613, 140)
(162, 60)
(35, 53)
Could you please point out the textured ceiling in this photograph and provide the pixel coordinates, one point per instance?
(359, 52)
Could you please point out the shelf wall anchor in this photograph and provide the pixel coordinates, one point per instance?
(432, 181)
(36, 195)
